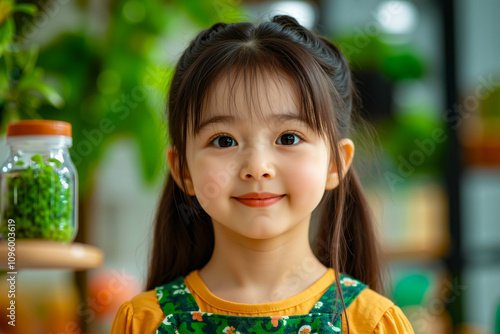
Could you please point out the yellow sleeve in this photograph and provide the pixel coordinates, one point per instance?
(371, 313)
(140, 315)
(393, 321)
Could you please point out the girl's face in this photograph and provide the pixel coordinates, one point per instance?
(272, 152)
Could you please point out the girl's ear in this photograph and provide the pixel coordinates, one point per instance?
(173, 164)
(346, 150)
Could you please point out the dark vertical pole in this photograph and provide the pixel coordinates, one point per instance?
(454, 168)
(321, 22)
(81, 276)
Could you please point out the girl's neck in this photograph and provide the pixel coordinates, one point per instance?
(251, 271)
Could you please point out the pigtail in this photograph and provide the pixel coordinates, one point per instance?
(349, 245)
(345, 238)
(183, 238)
(362, 254)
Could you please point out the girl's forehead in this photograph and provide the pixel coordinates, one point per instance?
(246, 95)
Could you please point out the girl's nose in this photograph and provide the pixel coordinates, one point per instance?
(257, 165)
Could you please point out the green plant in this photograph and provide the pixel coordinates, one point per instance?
(39, 199)
(23, 85)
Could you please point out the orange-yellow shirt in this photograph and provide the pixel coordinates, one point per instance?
(370, 312)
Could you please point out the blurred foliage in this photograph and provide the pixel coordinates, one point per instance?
(413, 133)
(403, 133)
(396, 61)
(110, 81)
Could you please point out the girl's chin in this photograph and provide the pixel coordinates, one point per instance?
(261, 232)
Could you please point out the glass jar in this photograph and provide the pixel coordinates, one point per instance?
(38, 182)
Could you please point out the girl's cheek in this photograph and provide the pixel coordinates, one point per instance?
(211, 176)
(308, 174)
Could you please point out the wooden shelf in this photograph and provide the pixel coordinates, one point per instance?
(44, 254)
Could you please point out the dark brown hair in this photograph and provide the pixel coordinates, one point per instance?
(183, 234)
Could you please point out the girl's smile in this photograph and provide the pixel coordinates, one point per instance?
(256, 200)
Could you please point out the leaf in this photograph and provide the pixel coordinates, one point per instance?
(4, 84)
(48, 92)
(6, 35)
(5, 10)
(54, 160)
(26, 8)
(31, 61)
(37, 158)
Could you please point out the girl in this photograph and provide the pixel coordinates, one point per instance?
(259, 118)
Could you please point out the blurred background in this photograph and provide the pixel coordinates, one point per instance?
(428, 73)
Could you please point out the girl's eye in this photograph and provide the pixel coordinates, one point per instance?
(288, 139)
(223, 141)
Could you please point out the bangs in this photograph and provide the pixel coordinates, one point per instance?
(248, 63)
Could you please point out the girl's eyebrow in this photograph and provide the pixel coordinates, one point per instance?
(229, 119)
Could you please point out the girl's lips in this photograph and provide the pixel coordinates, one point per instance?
(259, 203)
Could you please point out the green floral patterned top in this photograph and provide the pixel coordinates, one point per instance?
(182, 314)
